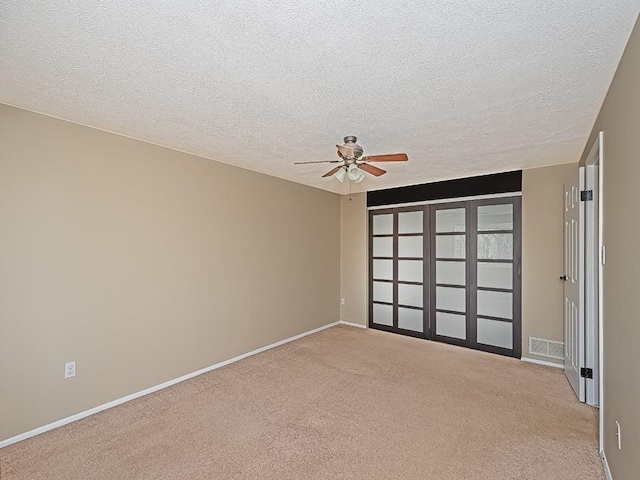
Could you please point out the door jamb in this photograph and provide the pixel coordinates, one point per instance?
(590, 283)
(596, 158)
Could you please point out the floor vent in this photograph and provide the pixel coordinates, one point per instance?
(546, 348)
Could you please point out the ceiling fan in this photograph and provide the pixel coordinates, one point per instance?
(353, 163)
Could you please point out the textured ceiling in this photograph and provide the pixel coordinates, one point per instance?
(464, 87)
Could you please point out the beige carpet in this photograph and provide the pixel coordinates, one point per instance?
(343, 403)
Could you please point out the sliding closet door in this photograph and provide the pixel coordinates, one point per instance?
(450, 273)
(475, 281)
(496, 276)
(412, 274)
(381, 268)
(399, 276)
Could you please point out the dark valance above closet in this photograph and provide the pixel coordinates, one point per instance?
(509, 182)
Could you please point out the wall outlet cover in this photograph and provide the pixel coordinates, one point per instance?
(69, 369)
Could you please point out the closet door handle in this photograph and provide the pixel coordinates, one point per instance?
(563, 278)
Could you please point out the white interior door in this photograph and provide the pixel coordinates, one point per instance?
(573, 287)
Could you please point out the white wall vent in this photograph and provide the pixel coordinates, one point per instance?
(546, 348)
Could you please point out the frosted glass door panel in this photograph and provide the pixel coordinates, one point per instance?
(410, 222)
(452, 273)
(495, 304)
(383, 224)
(451, 220)
(410, 247)
(383, 247)
(495, 246)
(410, 295)
(495, 275)
(383, 292)
(451, 325)
(383, 269)
(410, 319)
(451, 299)
(495, 217)
(495, 332)
(410, 270)
(383, 314)
(450, 246)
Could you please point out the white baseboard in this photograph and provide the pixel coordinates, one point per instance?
(605, 465)
(351, 324)
(542, 362)
(147, 391)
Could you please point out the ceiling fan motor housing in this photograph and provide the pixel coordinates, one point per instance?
(350, 141)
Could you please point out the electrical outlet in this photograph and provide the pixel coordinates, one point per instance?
(343, 301)
(69, 369)
(618, 436)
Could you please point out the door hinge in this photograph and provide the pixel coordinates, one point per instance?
(586, 372)
(586, 195)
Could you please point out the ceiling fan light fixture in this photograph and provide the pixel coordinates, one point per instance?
(355, 174)
(340, 174)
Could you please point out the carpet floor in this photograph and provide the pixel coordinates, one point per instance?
(344, 403)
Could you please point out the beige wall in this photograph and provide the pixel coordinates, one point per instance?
(619, 118)
(353, 258)
(143, 264)
(542, 253)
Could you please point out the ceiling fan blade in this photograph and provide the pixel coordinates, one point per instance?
(372, 170)
(321, 161)
(393, 157)
(344, 151)
(332, 171)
